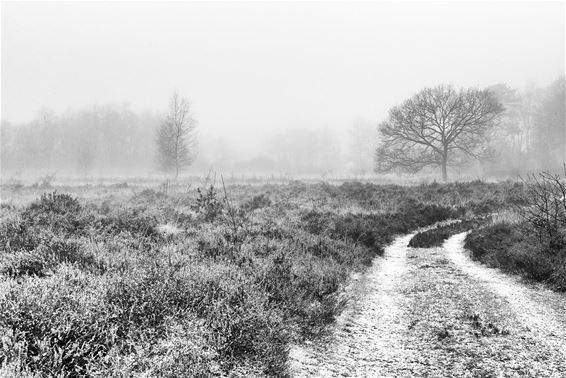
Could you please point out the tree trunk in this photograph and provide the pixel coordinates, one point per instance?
(444, 168)
(176, 172)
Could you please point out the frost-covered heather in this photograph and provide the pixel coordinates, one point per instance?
(118, 280)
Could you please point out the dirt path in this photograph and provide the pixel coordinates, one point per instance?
(435, 313)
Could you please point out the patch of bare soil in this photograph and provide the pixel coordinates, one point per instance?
(435, 313)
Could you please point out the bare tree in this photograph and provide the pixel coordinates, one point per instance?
(437, 127)
(176, 137)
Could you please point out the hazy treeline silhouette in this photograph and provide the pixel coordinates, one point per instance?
(532, 131)
(506, 131)
(113, 138)
(102, 137)
(296, 151)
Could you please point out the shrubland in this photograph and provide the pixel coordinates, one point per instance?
(127, 281)
(533, 243)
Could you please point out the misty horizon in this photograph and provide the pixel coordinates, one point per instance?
(262, 78)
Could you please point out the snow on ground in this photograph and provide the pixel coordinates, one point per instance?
(435, 313)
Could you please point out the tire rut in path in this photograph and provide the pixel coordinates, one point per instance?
(367, 339)
(539, 312)
(435, 313)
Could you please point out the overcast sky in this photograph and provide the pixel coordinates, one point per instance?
(258, 67)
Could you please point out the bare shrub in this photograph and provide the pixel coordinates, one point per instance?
(546, 207)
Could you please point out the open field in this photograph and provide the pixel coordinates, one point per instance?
(127, 280)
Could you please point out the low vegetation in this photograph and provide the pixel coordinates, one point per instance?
(116, 281)
(534, 245)
(436, 236)
(513, 248)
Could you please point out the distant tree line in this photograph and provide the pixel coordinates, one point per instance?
(499, 129)
(503, 130)
(294, 151)
(532, 132)
(100, 137)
